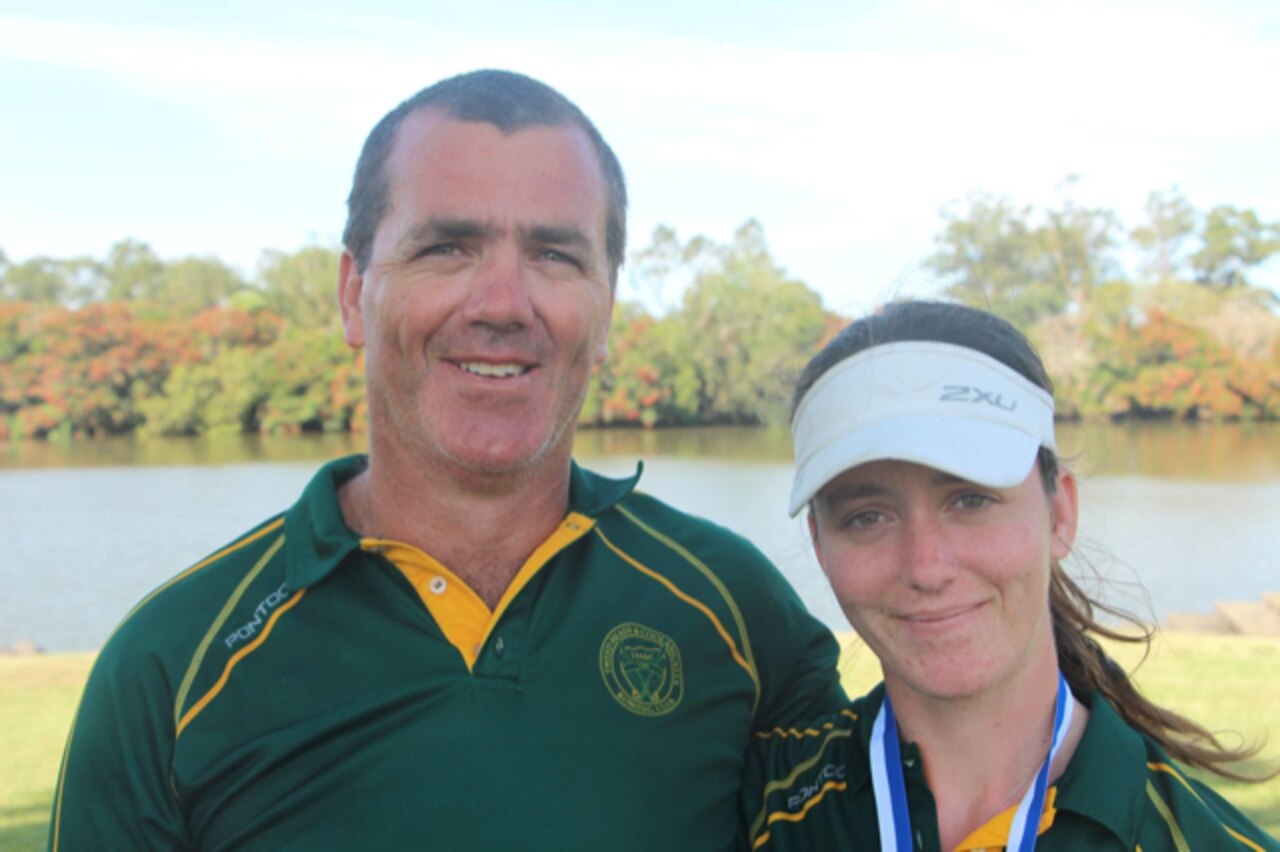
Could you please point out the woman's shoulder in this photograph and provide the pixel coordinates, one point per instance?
(798, 780)
(1122, 779)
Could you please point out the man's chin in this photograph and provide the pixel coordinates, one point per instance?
(503, 461)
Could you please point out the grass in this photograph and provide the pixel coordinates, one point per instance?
(38, 696)
(1228, 683)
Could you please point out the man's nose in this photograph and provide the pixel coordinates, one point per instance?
(499, 295)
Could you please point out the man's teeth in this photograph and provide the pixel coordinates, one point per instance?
(493, 371)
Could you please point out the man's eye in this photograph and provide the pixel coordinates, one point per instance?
(440, 250)
(973, 501)
(556, 256)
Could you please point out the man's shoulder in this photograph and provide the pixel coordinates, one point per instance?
(700, 538)
(171, 615)
(250, 568)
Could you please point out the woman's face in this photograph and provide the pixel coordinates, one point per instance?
(946, 580)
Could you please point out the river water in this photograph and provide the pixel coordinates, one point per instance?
(1174, 517)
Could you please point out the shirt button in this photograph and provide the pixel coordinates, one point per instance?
(499, 646)
(438, 585)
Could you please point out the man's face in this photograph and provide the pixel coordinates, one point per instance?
(487, 297)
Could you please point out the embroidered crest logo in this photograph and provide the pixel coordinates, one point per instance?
(642, 669)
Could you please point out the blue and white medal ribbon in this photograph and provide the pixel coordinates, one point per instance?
(891, 790)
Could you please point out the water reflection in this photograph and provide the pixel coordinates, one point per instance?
(1228, 452)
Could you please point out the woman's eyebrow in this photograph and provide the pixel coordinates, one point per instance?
(855, 491)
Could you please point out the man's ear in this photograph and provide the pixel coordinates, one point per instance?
(350, 288)
(1065, 507)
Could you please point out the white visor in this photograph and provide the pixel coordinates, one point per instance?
(947, 407)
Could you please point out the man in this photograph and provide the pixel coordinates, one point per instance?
(462, 641)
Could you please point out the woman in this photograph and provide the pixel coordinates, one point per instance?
(925, 454)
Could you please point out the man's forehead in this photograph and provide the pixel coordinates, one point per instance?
(430, 124)
(451, 177)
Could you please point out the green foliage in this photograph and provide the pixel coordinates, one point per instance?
(987, 254)
(726, 355)
(194, 284)
(302, 287)
(1233, 241)
(48, 281)
(995, 256)
(1077, 243)
(133, 272)
(1170, 221)
(189, 347)
(747, 330)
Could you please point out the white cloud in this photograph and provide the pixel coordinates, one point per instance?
(845, 155)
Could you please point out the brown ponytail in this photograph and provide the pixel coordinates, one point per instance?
(1088, 669)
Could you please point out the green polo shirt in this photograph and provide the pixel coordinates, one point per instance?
(303, 688)
(809, 788)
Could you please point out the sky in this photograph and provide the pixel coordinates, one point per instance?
(845, 128)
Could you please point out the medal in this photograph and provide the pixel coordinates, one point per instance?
(891, 790)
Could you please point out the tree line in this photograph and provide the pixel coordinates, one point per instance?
(131, 343)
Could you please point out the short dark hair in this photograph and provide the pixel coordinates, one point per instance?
(510, 102)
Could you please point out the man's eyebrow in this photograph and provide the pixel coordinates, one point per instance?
(556, 235)
(439, 228)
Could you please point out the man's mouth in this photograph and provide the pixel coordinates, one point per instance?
(493, 371)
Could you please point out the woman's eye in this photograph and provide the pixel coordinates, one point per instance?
(861, 520)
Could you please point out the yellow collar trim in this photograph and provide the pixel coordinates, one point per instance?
(994, 833)
(463, 617)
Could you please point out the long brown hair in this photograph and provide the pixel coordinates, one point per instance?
(1085, 664)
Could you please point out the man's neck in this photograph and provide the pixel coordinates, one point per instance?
(482, 528)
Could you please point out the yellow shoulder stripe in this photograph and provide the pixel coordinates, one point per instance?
(1246, 841)
(716, 583)
(1162, 808)
(236, 658)
(761, 820)
(203, 648)
(231, 548)
(696, 604)
(805, 732)
(1164, 767)
(788, 816)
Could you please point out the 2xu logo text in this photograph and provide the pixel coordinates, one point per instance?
(967, 393)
